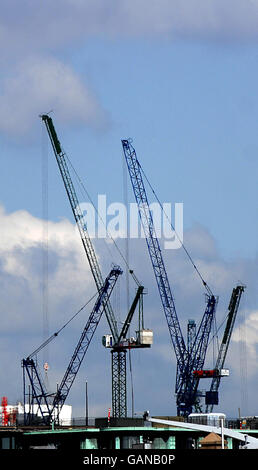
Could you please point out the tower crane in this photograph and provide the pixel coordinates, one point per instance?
(187, 358)
(212, 395)
(187, 395)
(50, 412)
(120, 345)
(144, 339)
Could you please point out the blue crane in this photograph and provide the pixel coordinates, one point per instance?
(187, 390)
(50, 411)
(188, 358)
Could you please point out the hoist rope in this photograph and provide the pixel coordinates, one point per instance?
(179, 239)
(99, 216)
(54, 335)
(125, 194)
(45, 247)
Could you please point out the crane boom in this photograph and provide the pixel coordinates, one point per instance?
(129, 317)
(158, 265)
(187, 391)
(232, 312)
(85, 338)
(187, 358)
(78, 215)
(39, 394)
(202, 337)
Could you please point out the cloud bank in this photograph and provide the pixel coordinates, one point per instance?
(45, 84)
(39, 37)
(52, 25)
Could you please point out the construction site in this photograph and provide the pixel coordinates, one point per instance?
(44, 419)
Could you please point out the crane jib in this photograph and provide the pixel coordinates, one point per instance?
(86, 241)
(187, 358)
(38, 392)
(134, 169)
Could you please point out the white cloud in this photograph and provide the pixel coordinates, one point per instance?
(70, 284)
(38, 85)
(34, 81)
(247, 333)
(21, 267)
(31, 26)
(199, 241)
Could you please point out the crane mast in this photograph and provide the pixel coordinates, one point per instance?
(38, 394)
(78, 215)
(118, 354)
(119, 351)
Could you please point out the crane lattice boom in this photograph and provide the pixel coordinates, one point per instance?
(50, 412)
(167, 299)
(232, 313)
(187, 358)
(78, 215)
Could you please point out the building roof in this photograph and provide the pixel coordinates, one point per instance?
(212, 437)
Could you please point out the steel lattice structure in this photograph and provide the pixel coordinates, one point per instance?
(39, 394)
(232, 312)
(78, 216)
(187, 360)
(119, 394)
(61, 158)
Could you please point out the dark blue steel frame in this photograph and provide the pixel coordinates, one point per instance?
(38, 390)
(187, 361)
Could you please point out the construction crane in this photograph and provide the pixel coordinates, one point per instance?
(187, 357)
(144, 339)
(212, 394)
(187, 390)
(78, 216)
(39, 395)
(118, 354)
(119, 344)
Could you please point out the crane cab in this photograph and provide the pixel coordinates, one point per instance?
(107, 341)
(144, 339)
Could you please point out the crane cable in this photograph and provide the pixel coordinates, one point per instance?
(45, 247)
(54, 335)
(125, 193)
(182, 244)
(100, 218)
(125, 257)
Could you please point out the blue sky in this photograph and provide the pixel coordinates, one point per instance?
(180, 79)
(190, 108)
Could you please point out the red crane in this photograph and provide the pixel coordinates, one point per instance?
(5, 414)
